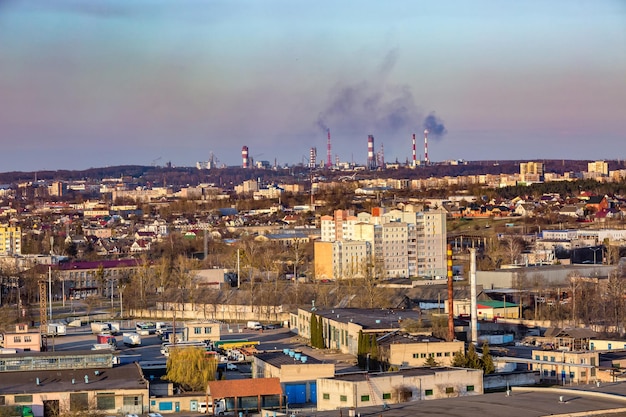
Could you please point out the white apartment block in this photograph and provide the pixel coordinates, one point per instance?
(399, 243)
(350, 258)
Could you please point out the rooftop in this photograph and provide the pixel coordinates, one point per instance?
(374, 319)
(70, 380)
(278, 359)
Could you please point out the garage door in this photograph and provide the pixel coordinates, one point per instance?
(296, 393)
(313, 388)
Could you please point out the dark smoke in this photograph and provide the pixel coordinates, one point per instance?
(435, 126)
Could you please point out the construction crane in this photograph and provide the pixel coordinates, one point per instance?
(43, 314)
(154, 161)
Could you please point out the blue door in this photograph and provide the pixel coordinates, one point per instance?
(313, 392)
(296, 393)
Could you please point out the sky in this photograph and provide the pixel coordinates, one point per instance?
(94, 83)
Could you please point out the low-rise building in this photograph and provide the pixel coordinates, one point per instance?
(23, 339)
(56, 383)
(413, 384)
(297, 373)
(405, 350)
(202, 330)
(564, 367)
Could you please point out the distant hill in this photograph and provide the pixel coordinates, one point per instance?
(156, 175)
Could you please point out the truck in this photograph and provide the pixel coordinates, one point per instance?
(216, 408)
(102, 346)
(131, 339)
(57, 329)
(100, 328)
(254, 325)
(107, 339)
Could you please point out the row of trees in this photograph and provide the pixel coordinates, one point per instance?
(472, 360)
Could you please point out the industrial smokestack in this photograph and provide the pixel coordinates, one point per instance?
(371, 162)
(414, 162)
(244, 157)
(450, 296)
(426, 146)
(329, 161)
(473, 301)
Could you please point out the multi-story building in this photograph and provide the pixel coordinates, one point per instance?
(531, 171)
(598, 167)
(10, 240)
(402, 243)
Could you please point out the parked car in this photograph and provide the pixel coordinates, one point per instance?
(231, 367)
(130, 415)
(154, 415)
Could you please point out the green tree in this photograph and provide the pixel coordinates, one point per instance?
(487, 360)
(459, 360)
(473, 360)
(190, 368)
(431, 362)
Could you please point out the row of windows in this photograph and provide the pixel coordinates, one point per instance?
(431, 355)
(198, 330)
(18, 339)
(387, 395)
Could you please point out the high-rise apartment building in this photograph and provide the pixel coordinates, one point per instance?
(598, 167)
(398, 244)
(10, 240)
(531, 171)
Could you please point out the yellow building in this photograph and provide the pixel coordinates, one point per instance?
(531, 171)
(10, 240)
(405, 350)
(563, 367)
(202, 330)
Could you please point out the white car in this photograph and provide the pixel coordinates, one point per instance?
(231, 367)
(154, 415)
(130, 415)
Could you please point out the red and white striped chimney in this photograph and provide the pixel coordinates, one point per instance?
(244, 157)
(371, 161)
(329, 154)
(414, 163)
(426, 146)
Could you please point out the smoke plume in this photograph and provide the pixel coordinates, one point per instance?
(435, 126)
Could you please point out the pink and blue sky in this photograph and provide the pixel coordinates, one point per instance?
(92, 83)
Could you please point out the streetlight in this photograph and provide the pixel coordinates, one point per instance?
(121, 288)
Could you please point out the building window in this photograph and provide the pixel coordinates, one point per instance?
(197, 330)
(326, 396)
(207, 330)
(131, 401)
(438, 354)
(552, 359)
(422, 355)
(365, 398)
(386, 395)
(449, 390)
(447, 354)
(2, 401)
(105, 401)
(27, 339)
(343, 398)
(470, 388)
(17, 339)
(79, 401)
(416, 355)
(23, 399)
(428, 392)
